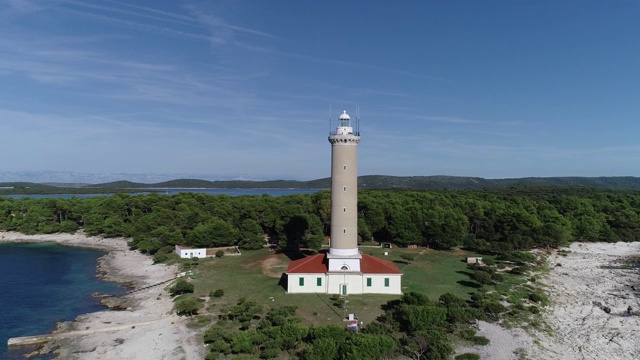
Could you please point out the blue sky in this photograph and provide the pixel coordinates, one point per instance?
(493, 89)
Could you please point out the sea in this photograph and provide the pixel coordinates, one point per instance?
(43, 283)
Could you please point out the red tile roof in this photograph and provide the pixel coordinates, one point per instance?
(317, 264)
(373, 265)
(310, 265)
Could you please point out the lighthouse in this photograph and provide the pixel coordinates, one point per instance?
(344, 269)
(343, 251)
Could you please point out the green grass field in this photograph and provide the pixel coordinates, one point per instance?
(255, 275)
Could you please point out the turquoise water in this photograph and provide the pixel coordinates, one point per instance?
(43, 283)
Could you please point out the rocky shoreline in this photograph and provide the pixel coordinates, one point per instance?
(591, 288)
(146, 329)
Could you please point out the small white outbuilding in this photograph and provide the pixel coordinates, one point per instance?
(186, 252)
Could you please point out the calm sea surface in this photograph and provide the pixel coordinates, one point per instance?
(44, 283)
(232, 192)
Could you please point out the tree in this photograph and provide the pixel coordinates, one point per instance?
(188, 306)
(181, 287)
(322, 349)
(367, 346)
(482, 277)
(251, 235)
(213, 233)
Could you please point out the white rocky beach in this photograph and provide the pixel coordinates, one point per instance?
(590, 290)
(147, 330)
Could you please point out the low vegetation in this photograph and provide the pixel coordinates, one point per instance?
(266, 323)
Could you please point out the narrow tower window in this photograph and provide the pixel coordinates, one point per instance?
(344, 188)
(344, 209)
(344, 167)
(344, 231)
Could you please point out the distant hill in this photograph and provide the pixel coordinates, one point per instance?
(23, 185)
(393, 182)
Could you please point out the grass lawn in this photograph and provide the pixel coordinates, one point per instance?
(256, 276)
(431, 272)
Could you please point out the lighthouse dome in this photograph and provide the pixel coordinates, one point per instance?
(344, 116)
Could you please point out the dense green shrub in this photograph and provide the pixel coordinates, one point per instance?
(538, 297)
(181, 286)
(188, 306)
(408, 257)
(480, 340)
(160, 257)
(217, 293)
(519, 270)
(482, 277)
(468, 356)
(488, 261)
(518, 256)
(467, 334)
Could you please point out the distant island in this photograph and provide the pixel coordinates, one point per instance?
(364, 182)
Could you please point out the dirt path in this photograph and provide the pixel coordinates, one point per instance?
(273, 267)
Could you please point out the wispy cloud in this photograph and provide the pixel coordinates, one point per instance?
(167, 17)
(19, 7)
(317, 59)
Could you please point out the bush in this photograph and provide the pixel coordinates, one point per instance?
(497, 277)
(493, 308)
(212, 356)
(467, 334)
(482, 277)
(219, 253)
(408, 257)
(182, 286)
(270, 353)
(488, 261)
(519, 270)
(537, 298)
(478, 267)
(480, 340)
(468, 356)
(518, 256)
(188, 306)
(220, 346)
(218, 293)
(160, 257)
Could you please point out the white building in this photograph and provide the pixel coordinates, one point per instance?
(186, 252)
(343, 270)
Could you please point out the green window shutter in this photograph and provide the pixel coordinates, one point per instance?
(319, 281)
(368, 281)
(386, 282)
(301, 281)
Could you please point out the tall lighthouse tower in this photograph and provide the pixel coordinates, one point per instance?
(343, 252)
(343, 269)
